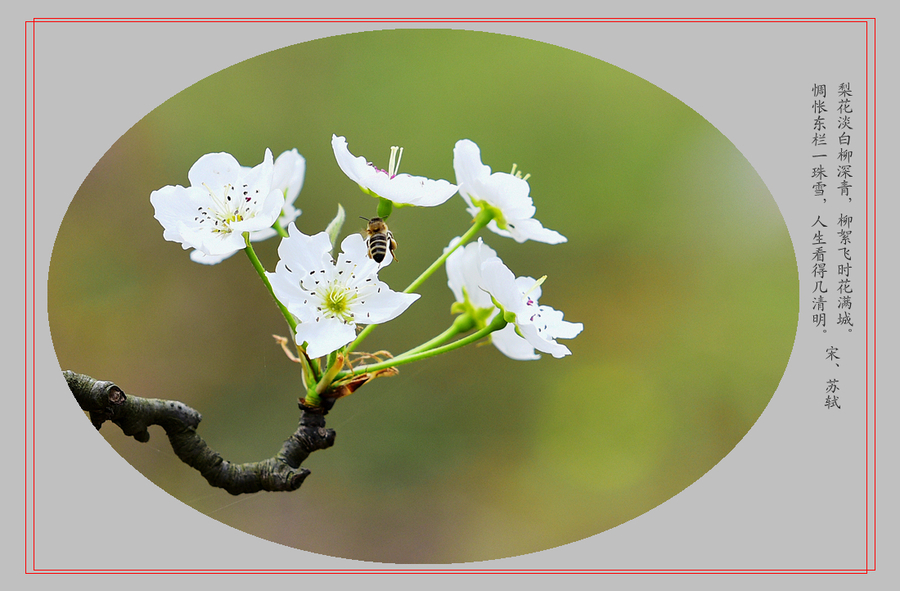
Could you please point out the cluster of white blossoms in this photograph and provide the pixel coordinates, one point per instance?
(480, 281)
(227, 206)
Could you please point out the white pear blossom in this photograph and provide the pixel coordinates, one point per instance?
(465, 281)
(505, 193)
(401, 189)
(539, 325)
(331, 298)
(287, 177)
(536, 326)
(223, 201)
(476, 275)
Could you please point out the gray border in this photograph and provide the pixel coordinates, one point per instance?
(89, 95)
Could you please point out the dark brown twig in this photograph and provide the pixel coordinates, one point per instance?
(105, 401)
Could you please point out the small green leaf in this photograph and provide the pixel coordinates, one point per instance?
(334, 227)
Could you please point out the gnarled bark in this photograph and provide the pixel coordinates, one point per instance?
(105, 401)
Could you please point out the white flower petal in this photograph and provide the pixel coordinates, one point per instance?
(382, 306)
(468, 167)
(556, 326)
(509, 193)
(531, 229)
(499, 281)
(355, 250)
(303, 253)
(286, 287)
(464, 272)
(355, 167)
(455, 272)
(512, 345)
(401, 189)
(171, 206)
(410, 190)
(324, 336)
(216, 170)
(288, 174)
(260, 176)
(198, 256)
(530, 332)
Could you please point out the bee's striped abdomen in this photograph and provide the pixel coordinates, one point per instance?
(378, 246)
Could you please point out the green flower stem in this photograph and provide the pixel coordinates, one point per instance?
(312, 397)
(280, 229)
(311, 372)
(481, 220)
(408, 357)
(261, 271)
(462, 324)
(359, 338)
(333, 368)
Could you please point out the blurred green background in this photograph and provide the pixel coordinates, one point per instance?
(678, 263)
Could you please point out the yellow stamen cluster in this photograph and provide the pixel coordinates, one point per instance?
(337, 301)
(518, 174)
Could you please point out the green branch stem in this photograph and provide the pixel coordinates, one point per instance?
(280, 229)
(462, 324)
(417, 354)
(481, 220)
(335, 363)
(311, 373)
(261, 271)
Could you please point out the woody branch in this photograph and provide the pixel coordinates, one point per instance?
(105, 401)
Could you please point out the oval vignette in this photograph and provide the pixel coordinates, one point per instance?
(678, 262)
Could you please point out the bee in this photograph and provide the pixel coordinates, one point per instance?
(379, 239)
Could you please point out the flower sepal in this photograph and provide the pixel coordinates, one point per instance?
(488, 213)
(508, 316)
(334, 226)
(351, 384)
(469, 320)
(470, 316)
(385, 207)
(498, 322)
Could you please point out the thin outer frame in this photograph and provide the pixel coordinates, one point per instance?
(31, 318)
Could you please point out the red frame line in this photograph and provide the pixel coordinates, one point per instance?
(31, 180)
